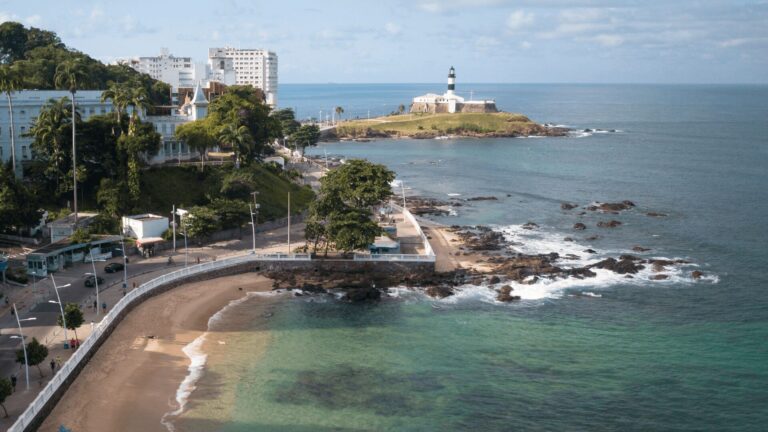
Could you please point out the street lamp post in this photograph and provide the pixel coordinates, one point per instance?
(289, 223)
(96, 283)
(186, 251)
(23, 345)
(125, 264)
(61, 306)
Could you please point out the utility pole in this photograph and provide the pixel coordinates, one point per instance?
(173, 225)
(289, 223)
(253, 228)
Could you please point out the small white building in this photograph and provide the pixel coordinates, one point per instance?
(144, 226)
(63, 228)
(171, 148)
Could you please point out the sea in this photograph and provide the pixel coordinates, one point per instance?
(600, 354)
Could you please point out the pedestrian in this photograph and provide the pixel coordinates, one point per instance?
(13, 311)
(104, 306)
(53, 366)
(198, 260)
(6, 300)
(58, 361)
(95, 305)
(13, 382)
(134, 285)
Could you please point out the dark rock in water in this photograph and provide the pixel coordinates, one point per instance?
(640, 249)
(579, 226)
(659, 277)
(483, 198)
(581, 272)
(505, 294)
(587, 130)
(568, 206)
(355, 295)
(591, 251)
(572, 257)
(592, 238)
(494, 280)
(610, 224)
(313, 288)
(612, 131)
(568, 239)
(654, 214)
(621, 267)
(439, 291)
(629, 257)
(582, 213)
(696, 274)
(531, 280)
(509, 195)
(658, 267)
(530, 226)
(613, 207)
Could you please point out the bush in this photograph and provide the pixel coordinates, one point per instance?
(17, 274)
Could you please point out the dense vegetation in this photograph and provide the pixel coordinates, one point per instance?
(112, 174)
(34, 54)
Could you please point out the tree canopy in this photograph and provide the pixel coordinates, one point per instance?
(342, 213)
(74, 317)
(36, 354)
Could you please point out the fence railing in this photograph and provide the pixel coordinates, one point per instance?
(409, 216)
(84, 351)
(394, 257)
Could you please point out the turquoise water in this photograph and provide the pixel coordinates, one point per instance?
(679, 355)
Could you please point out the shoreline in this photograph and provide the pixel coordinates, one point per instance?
(138, 375)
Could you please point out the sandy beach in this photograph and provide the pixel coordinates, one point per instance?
(131, 382)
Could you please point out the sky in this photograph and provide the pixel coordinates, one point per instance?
(415, 41)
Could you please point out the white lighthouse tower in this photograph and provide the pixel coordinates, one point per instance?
(451, 81)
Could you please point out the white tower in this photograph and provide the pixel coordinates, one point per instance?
(199, 104)
(451, 81)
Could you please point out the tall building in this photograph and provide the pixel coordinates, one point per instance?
(175, 71)
(251, 66)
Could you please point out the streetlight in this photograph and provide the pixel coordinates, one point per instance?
(125, 264)
(21, 336)
(289, 223)
(61, 306)
(186, 251)
(96, 283)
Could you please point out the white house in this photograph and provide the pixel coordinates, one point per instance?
(171, 148)
(144, 226)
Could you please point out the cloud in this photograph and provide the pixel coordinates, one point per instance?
(519, 19)
(33, 20)
(392, 28)
(609, 40)
(525, 45)
(5, 16)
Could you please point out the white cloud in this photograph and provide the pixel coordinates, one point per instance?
(392, 28)
(729, 43)
(519, 19)
(33, 20)
(486, 42)
(4, 16)
(609, 40)
(525, 45)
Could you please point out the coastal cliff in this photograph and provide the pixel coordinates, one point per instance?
(426, 126)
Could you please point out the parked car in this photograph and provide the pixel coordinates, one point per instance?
(90, 281)
(114, 267)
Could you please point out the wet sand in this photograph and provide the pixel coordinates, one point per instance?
(132, 380)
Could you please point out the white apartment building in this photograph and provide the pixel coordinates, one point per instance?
(26, 107)
(175, 71)
(256, 67)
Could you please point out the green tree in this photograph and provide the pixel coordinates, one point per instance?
(200, 222)
(36, 354)
(119, 95)
(339, 111)
(199, 135)
(401, 109)
(70, 75)
(305, 136)
(6, 389)
(18, 205)
(358, 184)
(287, 119)
(138, 99)
(74, 317)
(244, 106)
(241, 142)
(13, 42)
(10, 81)
(49, 132)
(352, 229)
(230, 213)
(141, 139)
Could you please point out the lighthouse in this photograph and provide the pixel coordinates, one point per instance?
(451, 81)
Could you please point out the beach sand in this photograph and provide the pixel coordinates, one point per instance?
(132, 380)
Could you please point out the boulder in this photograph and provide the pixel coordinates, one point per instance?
(494, 280)
(640, 249)
(609, 224)
(530, 225)
(629, 257)
(592, 238)
(659, 277)
(590, 251)
(483, 198)
(568, 239)
(579, 226)
(654, 214)
(568, 206)
(628, 266)
(615, 207)
(696, 274)
(505, 294)
(356, 295)
(439, 291)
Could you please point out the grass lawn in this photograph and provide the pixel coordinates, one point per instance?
(413, 124)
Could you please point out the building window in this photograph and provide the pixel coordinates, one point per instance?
(22, 112)
(23, 129)
(24, 152)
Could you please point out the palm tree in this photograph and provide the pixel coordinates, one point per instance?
(401, 109)
(69, 74)
(10, 81)
(118, 94)
(239, 138)
(48, 134)
(138, 99)
(339, 111)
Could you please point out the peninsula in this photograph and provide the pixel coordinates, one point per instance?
(447, 115)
